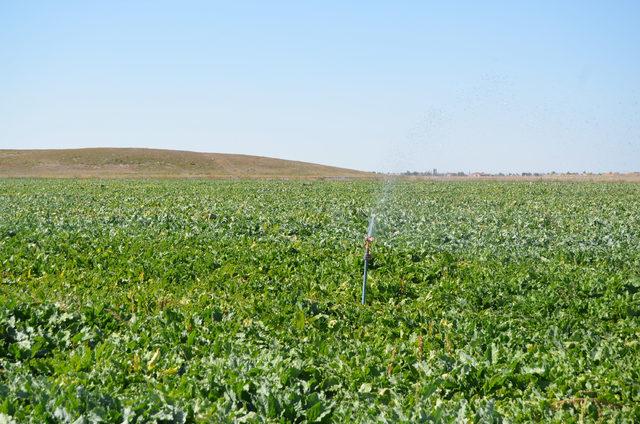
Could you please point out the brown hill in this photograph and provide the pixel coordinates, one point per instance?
(157, 163)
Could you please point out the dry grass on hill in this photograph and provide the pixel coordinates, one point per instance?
(156, 163)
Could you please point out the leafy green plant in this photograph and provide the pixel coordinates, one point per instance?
(201, 301)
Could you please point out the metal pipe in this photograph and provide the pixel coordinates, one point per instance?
(364, 279)
(368, 240)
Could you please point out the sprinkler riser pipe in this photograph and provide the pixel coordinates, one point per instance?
(368, 240)
(364, 280)
(367, 259)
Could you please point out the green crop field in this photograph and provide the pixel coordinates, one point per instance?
(216, 301)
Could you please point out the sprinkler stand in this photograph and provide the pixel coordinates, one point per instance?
(368, 241)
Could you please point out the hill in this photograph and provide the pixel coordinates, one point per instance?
(157, 163)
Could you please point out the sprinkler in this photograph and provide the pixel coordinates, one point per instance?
(368, 241)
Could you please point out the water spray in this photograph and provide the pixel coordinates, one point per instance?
(368, 241)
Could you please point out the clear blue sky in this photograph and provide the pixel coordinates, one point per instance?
(371, 85)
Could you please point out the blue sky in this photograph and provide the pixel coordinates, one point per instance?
(389, 86)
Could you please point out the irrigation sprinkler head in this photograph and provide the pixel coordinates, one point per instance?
(368, 242)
